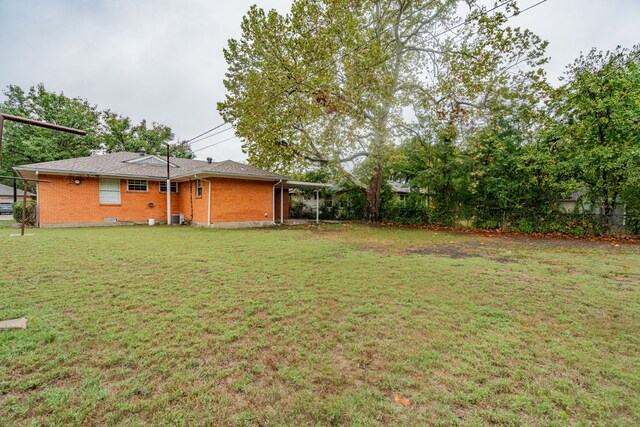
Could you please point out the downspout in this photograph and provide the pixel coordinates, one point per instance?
(37, 202)
(209, 205)
(274, 201)
(168, 186)
(282, 203)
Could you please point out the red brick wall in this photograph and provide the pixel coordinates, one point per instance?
(232, 200)
(63, 201)
(199, 203)
(240, 200)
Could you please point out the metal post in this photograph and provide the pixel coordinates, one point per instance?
(24, 206)
(282, 203)
(209, 205)
(15, 191)
(317, 207)
(34, 123)
(168, 188)
(1, 129)
(37, 204)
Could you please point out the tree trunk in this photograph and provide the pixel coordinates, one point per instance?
(372, 208)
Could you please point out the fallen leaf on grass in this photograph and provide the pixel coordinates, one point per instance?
(401, 400)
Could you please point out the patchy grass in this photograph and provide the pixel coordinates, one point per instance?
(317, 326)
(6, 223)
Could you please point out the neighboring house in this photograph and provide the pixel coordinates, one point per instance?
(307, 201)
(313, 197)
(576, 202)
(6, 197)
(402, 190)
(128, 187)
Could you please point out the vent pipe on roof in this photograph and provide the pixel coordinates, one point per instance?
(142, 152)
(209, 159)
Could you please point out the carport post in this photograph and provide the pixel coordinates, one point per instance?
(317, 207)
(24, 206)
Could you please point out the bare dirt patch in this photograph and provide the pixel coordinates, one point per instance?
(459, 250)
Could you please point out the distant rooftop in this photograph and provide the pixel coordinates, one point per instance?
(6, 190)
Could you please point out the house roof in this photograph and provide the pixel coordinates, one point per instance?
(136, 165)
(401, 188)
(574, 196)
(6, 190)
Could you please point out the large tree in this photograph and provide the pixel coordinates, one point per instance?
(342, 81)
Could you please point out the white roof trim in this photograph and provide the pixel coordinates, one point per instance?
(151, 156)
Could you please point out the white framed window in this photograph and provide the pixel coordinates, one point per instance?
(163, 187)
(403, 196)
(198, 188)
(109, 191)
(137, 185)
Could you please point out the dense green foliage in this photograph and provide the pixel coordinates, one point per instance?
(106, 131)
(511, 168)
(30, 212)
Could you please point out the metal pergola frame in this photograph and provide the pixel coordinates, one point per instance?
(25, 181)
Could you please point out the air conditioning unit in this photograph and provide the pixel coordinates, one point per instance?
(177, 219)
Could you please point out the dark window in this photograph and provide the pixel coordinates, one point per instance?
(198, 187)
(163, 187)
(137, 185)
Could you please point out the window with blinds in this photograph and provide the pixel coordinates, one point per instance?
(109, 191)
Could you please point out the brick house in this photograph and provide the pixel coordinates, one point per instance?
(126, 187)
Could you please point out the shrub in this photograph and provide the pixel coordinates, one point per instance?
(30, 219)
(411, 211)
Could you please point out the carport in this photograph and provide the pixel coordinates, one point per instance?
(302, 185)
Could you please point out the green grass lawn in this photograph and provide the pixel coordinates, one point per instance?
(317, 326)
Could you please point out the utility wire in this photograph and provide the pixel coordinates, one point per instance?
(204, 133)
(214, 144)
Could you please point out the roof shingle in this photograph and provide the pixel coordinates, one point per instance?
(120, 164)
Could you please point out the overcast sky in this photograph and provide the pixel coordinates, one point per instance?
(162, 60)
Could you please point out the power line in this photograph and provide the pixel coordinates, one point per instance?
(209, 136)
(214, 144)
(204, 133)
